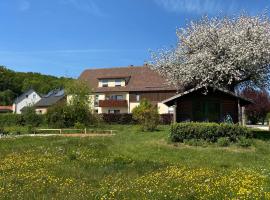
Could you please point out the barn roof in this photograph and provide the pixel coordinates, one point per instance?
(170, 101)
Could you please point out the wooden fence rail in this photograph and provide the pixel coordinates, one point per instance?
(85, 131)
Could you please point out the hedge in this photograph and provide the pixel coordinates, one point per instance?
(128, 119)
(117, 118)
(11, 120)
(207, 131)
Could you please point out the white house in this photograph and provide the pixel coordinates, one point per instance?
(28, 98)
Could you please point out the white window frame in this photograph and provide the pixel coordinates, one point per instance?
(105, 83)
(138, 97)
(118, 82)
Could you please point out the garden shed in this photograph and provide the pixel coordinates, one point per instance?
(208, 104)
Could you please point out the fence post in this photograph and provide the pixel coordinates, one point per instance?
(85, 131)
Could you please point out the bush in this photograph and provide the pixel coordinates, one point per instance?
(63, 116)
(117, 118)
(11, 119)
(244, 142)
(147, 115)
(166, 118)
(223, 142)
(31, 118)
(207, 131)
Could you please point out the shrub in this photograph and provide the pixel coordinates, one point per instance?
(11, 119)
(31, 117)
(244, 142)
(223, 142)
(207, 131)
(79, 125)
(31, 129)
(147, 115)
(62, 115)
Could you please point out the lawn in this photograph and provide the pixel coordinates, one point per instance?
(132, 165)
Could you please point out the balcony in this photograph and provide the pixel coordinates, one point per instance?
(113, 103)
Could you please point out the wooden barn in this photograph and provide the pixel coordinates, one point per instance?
(211, 105)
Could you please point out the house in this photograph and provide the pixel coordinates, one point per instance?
(120, 89)
(53, 97)
(6, 109)
(28, 98)
(213, 105)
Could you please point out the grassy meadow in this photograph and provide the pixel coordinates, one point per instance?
(132, 165)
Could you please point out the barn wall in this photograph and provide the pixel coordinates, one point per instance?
(228, 105)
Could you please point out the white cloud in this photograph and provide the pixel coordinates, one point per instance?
(24, 5)
(89, 6)
(198, 6)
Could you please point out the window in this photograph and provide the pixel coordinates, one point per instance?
(118, 82)
(116, 97)
(104, 83)
(114, 111)
(34, 96)
(137, 97)
(96, 103)
(26, 96)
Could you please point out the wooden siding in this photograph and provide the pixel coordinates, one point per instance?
(152, 96)
(228, 105)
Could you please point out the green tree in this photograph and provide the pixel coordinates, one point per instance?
(147, 115)
(30, 117)
(79, 92)
(76, 110)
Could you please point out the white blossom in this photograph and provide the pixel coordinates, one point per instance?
(224, 52)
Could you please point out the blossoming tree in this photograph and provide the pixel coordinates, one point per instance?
(224, 52)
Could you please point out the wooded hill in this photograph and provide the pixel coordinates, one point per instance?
(13, 84)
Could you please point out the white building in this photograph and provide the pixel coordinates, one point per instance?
(28, 98)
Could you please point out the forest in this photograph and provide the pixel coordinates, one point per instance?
(13, 84)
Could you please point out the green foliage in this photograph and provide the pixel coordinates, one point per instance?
(195, 142)
(244, 142)
(147, 115)
(79, 91)
(63, 115)
(76, 111)
(79, 125)
(207, 131)
(31, 117)
(223, 142)
(13, 84)
(11, 119)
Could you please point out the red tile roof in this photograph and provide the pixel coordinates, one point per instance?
(139, 78)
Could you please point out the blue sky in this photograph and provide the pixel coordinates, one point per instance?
(64, 37)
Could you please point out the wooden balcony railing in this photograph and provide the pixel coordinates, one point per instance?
(113, 103)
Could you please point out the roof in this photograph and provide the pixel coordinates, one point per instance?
(138, 78)
(170, 101)
(51, 98)
(22, 96)
(6, 108)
